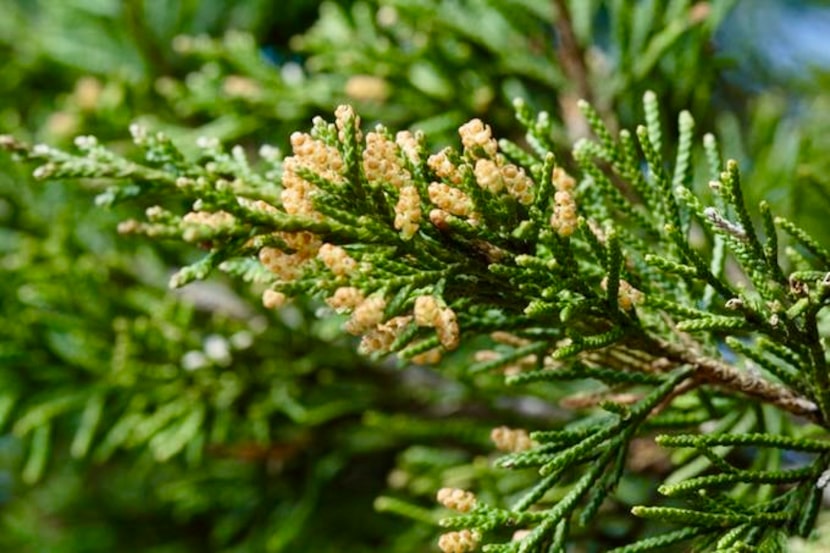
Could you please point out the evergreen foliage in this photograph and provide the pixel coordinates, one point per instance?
(587, 333)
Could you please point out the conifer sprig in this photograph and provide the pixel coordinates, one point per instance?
(586, 272)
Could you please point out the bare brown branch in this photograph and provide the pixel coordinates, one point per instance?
(718, 373)
(572, 58)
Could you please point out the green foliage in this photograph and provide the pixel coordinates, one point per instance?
(599, 299)
(592, 287)
(434, 65)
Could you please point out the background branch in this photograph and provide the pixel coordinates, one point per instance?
(572, 58)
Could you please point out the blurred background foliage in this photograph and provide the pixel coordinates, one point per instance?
(141, 420)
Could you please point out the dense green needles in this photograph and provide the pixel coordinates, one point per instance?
(572, 330)
(424, 251)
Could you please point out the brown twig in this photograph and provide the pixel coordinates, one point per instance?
(571, 54)
(713, 371)
(572, 58)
